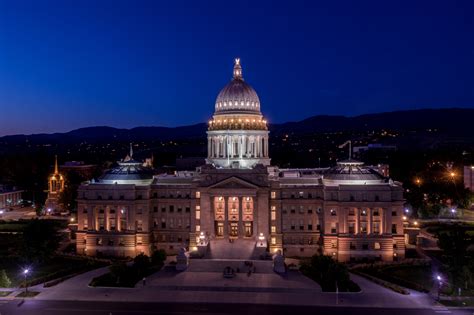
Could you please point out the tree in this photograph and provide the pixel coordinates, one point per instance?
(454, 243)
(118, 270)
(158, 257)
(141, 263)
(4, 280)
(40, 240)
(329, 273)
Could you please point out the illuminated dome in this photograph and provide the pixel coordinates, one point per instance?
(237, 95)
(237, 136)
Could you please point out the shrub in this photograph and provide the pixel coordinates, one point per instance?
(158, 257)
(4, 280)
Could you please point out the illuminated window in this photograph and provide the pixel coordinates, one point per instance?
(273, 215)
(273, 194)
(274, 229)
(198, 228)
(198, 194)
(273, 240)
(198, 208)
(198, 215)
(139, 240)
(377, 245)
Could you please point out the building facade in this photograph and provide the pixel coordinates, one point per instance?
(55, 188)
(350, 211)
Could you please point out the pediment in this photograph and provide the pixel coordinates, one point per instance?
(234, 183)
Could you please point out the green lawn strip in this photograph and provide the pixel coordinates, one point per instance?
(458, 303)
(27, 294)
(419, 278)
(55, 268)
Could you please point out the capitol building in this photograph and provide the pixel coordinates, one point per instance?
(350, 211)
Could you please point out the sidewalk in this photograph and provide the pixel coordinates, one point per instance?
(208, 287)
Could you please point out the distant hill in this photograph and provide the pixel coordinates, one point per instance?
(450, 121)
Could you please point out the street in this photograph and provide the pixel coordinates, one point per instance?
(37, 307)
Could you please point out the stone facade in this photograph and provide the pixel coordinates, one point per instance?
(350, 211)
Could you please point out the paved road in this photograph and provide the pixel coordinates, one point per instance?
(37, 307)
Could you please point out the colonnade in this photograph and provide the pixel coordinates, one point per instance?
(237, 146)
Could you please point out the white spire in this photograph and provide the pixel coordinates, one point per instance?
(131, 151)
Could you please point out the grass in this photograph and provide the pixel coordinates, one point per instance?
(127, 280)
(5, 293)
(458, 303)
(27, 294)
(60, 266)
(418, 278)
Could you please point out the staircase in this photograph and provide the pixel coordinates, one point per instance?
(238, 249)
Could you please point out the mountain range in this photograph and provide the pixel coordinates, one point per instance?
(449, 121)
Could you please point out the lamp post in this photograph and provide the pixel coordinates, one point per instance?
(438, 277)
(25, 273)
(202, 237)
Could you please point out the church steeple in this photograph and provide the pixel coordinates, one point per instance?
(56, 169)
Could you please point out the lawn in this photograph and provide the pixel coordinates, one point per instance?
(40, 272)
(5, 293)
(418, 278)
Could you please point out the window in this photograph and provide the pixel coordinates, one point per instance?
(198, 228)
(377, 246)
(188, 209)
(163, 209)
(180, 210)
(352, 245)
(363, 227)
(198, 194)
(351, 198)
(110, 242)
(394, 213)
(292, 225)
(139, 240)
(351, 212)
(122, 197)
(310, 211)
(84, 211)
(198, 214)
(310, 195)
(333, 212)
(163, 223)
(310, 227)
(318, 227)
(365, 246)
(376, 213)
(333, 244)
(351, 227)
(171, 209)
(98, 241)
(139, 225)
(301, 194)
(139, 211)
(293, 211)
(85, 224)
(155, 195)
(273, 194)
(376, 228)
(273, 229)
(301, 210)
(333, 227)
(273, 240)
(377, 198)
(273, 215)
(394, 229)
(155, 209)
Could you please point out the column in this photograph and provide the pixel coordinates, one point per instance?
(357, 211)
(241, 223)
(209, 145)
(226, 221)
(369, 220)
(106, 218)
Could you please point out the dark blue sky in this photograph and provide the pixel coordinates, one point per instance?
(137, 63)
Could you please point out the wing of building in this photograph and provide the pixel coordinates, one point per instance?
(350, 211)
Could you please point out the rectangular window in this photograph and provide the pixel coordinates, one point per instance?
(198, 194)
(198, 215)
(139, 240)
(188, 210)
(333, 212)
(333, 243)
(365, 246)
(85, 224)
(273, 215)
(155, 209)
(333, 227)
(274, 229)
(352, 246)
(363, 227)
(394, 229)
(377, 246)
(171, 209)
(351, 227)
(273, 240)
(198, 228)
(163, 209)
(139, 225)
(273, 194)
(376, 228)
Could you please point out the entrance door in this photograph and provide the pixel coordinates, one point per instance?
(234, 229)
(248, 229)
(219, 229)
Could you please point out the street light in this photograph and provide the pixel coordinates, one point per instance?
(438, 277)
(25, 273)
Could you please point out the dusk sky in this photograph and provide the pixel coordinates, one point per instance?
(149, 63)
